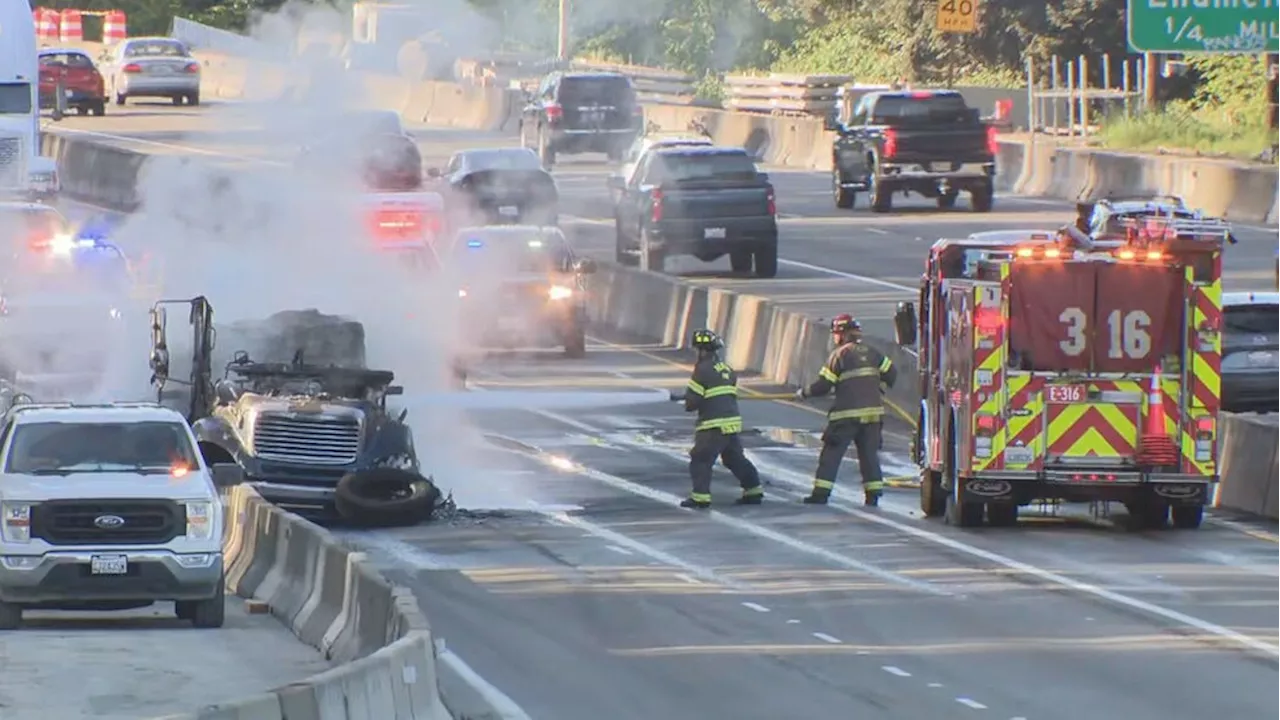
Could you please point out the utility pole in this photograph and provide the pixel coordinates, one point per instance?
(562, 51)
(1273, 92)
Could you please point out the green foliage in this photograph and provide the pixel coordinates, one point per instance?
(710, 89)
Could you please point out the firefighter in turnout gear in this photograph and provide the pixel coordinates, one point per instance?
(712, 392)
(855, 372)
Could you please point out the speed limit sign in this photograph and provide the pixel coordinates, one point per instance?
(958, 16)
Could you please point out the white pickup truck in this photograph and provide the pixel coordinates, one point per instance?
(106, 507)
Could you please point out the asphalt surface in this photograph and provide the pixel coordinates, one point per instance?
(573, 582)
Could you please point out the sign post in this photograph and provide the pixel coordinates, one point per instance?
(1179, 26)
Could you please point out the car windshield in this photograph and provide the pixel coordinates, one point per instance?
(507, 251)
(923, 108)
(61, 448)
(1252, 320)
(68, 59)
(695, 166)
(150, 48)
(516, 159)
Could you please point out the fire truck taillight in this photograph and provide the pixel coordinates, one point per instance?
(1052, 253)
(984, 427)
(1204, 438)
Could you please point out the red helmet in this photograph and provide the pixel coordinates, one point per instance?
(844, 323)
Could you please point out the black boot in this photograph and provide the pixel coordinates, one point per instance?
(753, 499)
(695, 504)
(871, 499)
(817, 498)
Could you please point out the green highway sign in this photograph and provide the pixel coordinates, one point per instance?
(1196, 26)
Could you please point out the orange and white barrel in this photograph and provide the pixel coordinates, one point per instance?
(46, 24)
(70, 27)
(114, 27)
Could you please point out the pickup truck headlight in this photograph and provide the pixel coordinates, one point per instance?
(199, 520)
(559, 292)
(15, 524)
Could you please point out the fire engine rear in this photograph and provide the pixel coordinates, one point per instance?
(1070, 369)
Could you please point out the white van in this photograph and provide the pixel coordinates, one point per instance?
(22, 170)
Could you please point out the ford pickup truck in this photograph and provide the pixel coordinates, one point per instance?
(929, 143)
(707, 202)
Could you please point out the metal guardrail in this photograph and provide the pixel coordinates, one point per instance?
(777, 94)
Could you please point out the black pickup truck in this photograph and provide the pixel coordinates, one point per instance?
(707, 202)
(927, 142)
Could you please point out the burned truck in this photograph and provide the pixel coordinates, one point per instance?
(313, 434)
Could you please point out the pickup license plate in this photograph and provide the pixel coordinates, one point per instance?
(1065, 394)
(509, 210)
(1262, 358)
(714, 233)
(109, 565)
(940, 167)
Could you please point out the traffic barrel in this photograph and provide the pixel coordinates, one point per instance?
(46, 24)
(70, 27)
(114, 27)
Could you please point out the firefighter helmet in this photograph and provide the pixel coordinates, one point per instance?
(844, 323)
(707, 340)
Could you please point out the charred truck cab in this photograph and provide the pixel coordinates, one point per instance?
(315, 439)
(1069, 368)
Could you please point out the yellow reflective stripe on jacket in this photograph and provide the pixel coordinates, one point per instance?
(860, 372)
(726, 425)
(696, 388)
(856, 414)
(826, 374)
(700, 497)
(721, 390)
(885, 364)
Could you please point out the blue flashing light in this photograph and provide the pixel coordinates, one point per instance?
(474, 244)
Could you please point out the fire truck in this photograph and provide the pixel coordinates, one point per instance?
(1063, 367)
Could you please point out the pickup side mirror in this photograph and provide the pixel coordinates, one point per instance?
(904, 324)
(615, 182)
(226, 475)
(585, 266)
(394, 390)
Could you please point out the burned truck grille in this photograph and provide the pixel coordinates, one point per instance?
(306, 441)
(10, 160)
(134, 522)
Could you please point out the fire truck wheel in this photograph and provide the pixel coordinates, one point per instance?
(1188, 517)
(1148, 514)
(933, 499)
(959, 514)
(1002, 514)
(385, 497)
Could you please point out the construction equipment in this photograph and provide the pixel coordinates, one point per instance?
(1068, 368)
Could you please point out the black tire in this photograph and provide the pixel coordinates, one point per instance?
(933, 499)
(880, 195)
(1148, 514)
(982, 198)
(183, 609)
(657, 258)
(767, 262)
(959, 514)
(211, 613)
(10, 616)
(193, 99)
(82, 111)
(177, 99)
(385, 497)
(844, 197)
(947, 200)
(1002, 514)
(99, 108)
(1187, 517)
(740, 262)
(575, 345)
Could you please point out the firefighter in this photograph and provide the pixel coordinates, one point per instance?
(712, 392)
(855, 372)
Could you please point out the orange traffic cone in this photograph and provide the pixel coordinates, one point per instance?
(1157, 449)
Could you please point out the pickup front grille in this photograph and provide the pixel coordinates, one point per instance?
(79, 522)
(306, 441)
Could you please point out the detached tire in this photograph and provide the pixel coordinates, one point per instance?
(385, 497)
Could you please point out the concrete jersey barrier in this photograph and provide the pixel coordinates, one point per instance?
(1250, 468)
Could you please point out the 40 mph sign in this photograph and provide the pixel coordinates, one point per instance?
(959, 16)
(1212, 26)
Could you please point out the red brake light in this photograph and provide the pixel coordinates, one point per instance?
(993, 140)
(773, 202)
(656, 204)
(192, 68)
(890, 142)
(133, 68)
(920, 94)
(554, 112)
(987, 321)
(986, 423)
(1204, 425)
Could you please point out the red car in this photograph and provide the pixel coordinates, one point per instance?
(78, 77)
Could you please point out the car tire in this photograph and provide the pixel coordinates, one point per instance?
(740, 262)
(385, 497)
(99, 108)
(10, 616)
(177, 99)
(575, 345)
(766, 260)
(193, 99)
(947, 200)
(211, 613)
(982, 198)
(657, 258)
(81, 110)
(845, 198)
(880, 195)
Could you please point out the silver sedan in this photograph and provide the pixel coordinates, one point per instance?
(153, 67)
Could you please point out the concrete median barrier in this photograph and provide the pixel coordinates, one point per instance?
(1250, 467)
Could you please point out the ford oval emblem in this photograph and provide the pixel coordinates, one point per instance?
(109, 522)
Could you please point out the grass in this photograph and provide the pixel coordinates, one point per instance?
(1180, 131)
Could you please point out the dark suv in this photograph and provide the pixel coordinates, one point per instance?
(581, 112)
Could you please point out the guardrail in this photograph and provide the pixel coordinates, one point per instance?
(775, 94)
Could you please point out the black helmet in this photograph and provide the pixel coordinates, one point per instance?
(707, 341)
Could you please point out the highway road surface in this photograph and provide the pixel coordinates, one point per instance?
(573, 582)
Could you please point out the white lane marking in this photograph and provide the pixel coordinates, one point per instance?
(691, 580)
(736, 523)
(504, 706)
(877, 231)
(895, 671)
(793, 621)
(828, 639)
(971, 703)
(796, 479)
(620, 550)
(935, 685)
(755, 606)
(616, 538)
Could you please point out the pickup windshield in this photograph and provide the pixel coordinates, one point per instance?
(58, 448)
(919, 109)
(680, 167)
